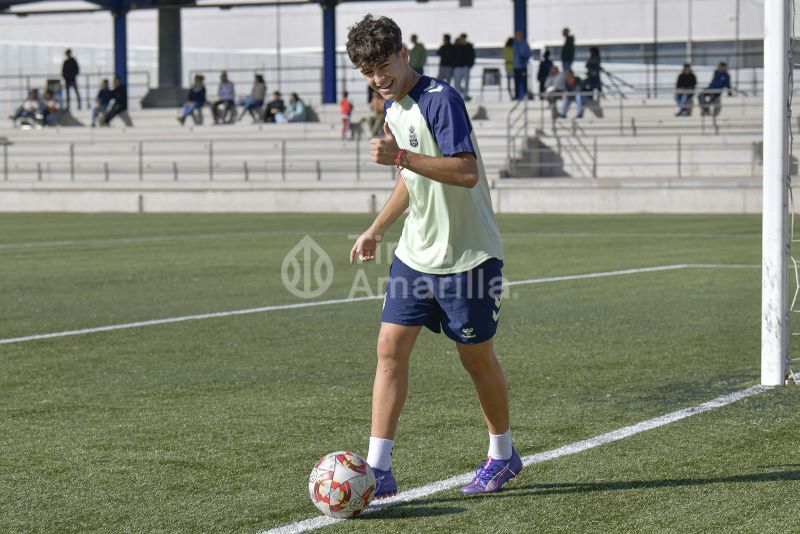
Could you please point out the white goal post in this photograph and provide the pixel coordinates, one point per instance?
(775, 241)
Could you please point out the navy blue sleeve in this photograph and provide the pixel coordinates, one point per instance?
(448, 120)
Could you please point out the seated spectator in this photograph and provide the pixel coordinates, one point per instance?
(196, 99)
(551, 91)
(51, 108)
(253, 102)
(101, 101)
(120, 99)
(684, 90)
(226, 95)
(713, 92)
(571, 92)
(274, 108)
(29, 108)
(295, 110)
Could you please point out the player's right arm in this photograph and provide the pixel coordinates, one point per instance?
(366, 244)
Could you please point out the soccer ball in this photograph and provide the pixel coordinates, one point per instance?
(341, 484)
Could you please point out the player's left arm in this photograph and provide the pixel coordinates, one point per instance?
(460, 169)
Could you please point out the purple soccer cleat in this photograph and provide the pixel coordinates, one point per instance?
(385, 484)
(492, 474)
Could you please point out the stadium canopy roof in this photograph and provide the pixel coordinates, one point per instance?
(49, 7)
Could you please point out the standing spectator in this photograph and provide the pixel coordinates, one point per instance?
(274, 108)
(445, 54)
(29, 108)
(101, 101)
(522, 54)
(593, 70)
(460, 68)
(544, 71)
(70, 71)
(465, 62)
(713, 92)
(417, 56)
(568, 50)
(572, 92)
(376, 121)
(684, 90)
(508, 57)
(226, 95)
(346, 108)
(252, 103)
(195, 100)
(120, 99)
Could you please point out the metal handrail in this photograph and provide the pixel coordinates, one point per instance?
(91, 83)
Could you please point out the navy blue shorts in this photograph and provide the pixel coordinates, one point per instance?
(465, 306)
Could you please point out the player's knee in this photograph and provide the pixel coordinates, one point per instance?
(475, 365)
(476, 362)
(390, 350)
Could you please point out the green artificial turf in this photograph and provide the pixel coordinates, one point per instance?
(213, 425)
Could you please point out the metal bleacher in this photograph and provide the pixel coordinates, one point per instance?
(634, 138)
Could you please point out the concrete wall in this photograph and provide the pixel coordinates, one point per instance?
(508, 196)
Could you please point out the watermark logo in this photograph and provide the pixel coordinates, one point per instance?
(307, 270)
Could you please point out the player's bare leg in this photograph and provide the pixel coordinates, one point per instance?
(390, 388)
(389, 393)
(503, 462)
(490, 383)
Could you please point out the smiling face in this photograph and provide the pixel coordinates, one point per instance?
(393, 78)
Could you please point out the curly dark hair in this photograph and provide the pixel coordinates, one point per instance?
(372, 40)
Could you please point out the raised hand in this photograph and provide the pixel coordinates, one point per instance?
(384, 151)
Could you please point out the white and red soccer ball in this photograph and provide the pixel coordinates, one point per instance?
(341, 485)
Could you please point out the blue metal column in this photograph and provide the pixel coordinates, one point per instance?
(521, 17)
(329, 51)
(121, 45)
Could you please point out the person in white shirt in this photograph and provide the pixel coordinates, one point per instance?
(226, 97)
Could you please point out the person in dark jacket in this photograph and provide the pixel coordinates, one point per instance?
(104, 97)
(684, 90)
(593, 70)
(568, 50)
(463, 60)
(712, 93)
(446, 59)
(70, 71)
(195, 100)
(544, 71)
(274, 107)
(120, 100)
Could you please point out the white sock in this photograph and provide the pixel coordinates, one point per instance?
(380, 453)
(499, 446)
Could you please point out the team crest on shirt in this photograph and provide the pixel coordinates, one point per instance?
(412, 137)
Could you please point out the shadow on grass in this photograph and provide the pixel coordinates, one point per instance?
(565, 488)
(409, 509)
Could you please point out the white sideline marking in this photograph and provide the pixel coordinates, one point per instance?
(566, 450)
(194, 237)
(262, 309)
(151, 239)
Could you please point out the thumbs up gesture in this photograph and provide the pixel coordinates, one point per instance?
(384, 151)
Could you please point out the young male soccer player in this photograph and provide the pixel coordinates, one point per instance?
(446, 274)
